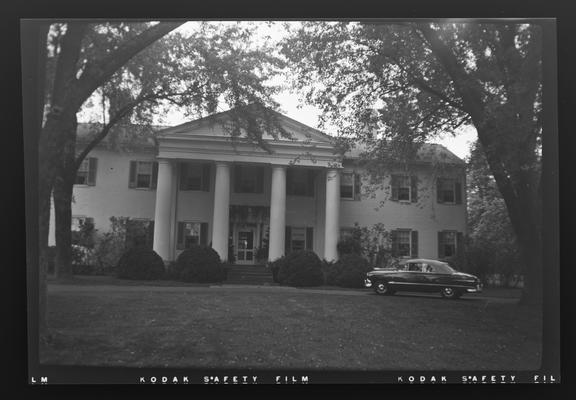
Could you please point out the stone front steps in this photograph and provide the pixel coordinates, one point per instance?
(249, 274)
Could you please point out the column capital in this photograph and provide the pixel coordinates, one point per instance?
(222, 163)
(164, 161)
(279, 166)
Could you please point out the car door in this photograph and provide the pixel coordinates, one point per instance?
(415, 278)
(436, 277)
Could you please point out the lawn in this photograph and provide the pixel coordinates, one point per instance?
(271, 327)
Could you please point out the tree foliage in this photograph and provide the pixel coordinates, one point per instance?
(393, 86)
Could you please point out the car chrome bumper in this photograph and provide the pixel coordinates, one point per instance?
(367, 283)
(477, 289)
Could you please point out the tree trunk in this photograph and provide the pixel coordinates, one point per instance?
(63, 187)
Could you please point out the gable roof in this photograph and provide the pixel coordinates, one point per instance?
(298, 130)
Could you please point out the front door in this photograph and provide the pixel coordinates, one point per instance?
(245, 246)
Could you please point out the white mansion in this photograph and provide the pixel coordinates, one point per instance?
(192, 184)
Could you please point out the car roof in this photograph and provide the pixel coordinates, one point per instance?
(422, 260)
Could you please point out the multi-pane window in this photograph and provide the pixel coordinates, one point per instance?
(86, 174)
(300, 182)
(449, 191)
(248, 179)
(404, 188)
(195, 176)
(143, 174)
(347, 185)
(404, 243)
(82, 174)
(447, 245)
(298, 239)
(191, 233)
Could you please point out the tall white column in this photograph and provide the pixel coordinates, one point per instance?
(332, 225)
(221, 217)
(277, 213)
(163, 210)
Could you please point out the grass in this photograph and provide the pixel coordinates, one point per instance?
(258, 327)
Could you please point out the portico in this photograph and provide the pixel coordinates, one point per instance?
(291, 196)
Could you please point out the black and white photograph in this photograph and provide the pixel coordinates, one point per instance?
(291, 201)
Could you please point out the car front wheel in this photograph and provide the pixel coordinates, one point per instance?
(383, 288)
(449, 293)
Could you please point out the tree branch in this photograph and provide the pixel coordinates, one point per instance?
(100, 71)
(470, 94)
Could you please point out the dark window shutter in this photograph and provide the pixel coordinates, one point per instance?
(414, 244)
(237, 176)
(311, 180)
(394, 185)
(414, 189)
(309, 238)
(206, 177)
(440, 245)
(259, 180)
(180, 238)
(92, 166)
(357, 186)
(204, 233)
(287, 240)
(183, 175)
(458, 189)
(150, 236)
(132, 182)
(154, 182)
(394, 240)
(438, 193)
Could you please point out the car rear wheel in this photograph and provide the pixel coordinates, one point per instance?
(383, 288)
(449, 293)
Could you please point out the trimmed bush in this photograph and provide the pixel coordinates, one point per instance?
(275, 267)
(300, 268)
(140, 263)
(199, 264)
(350, 271)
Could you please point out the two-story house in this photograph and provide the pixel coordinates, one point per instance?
(192, 184)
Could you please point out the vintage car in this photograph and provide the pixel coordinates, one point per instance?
(421, 275)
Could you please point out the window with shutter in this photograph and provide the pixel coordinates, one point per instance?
(83, 173)
(404, 242)
(449, 191)
(447, 244)
(194, 176)
(347, 185)
(402, 187)
(191, 233)
(143, 174)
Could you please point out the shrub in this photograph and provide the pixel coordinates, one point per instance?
(199, 264)
(140, 263)
(275, 267)
(350, 271)
(301, 268)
